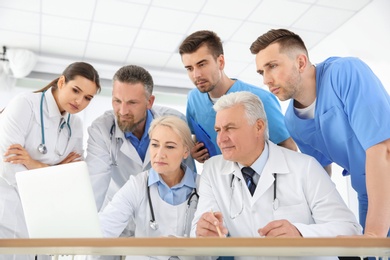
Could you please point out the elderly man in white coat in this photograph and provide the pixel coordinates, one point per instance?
(118, 140)
(258, 189)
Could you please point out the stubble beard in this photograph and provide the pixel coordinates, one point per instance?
(129, 126)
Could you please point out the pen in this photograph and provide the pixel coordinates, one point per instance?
(217, 227)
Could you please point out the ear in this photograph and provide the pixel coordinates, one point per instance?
(186, 154)
(61, 82)
(221, 62)
(302, 61)
(151, 101)
(260, 127)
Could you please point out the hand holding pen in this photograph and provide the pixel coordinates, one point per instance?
(210, 224)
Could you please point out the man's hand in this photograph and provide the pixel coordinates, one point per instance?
(279, 228)
(199, 154)
(208, 223)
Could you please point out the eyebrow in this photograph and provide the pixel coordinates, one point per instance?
(79, 89)
(265, 65)
(199, 62)
(224, 126)
(169, 142)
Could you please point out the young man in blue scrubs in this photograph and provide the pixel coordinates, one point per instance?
(203, 58)
(338, 113)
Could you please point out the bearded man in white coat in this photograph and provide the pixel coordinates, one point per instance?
(118, 140)
(293, 195)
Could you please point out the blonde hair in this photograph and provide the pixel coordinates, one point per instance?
(178, 125)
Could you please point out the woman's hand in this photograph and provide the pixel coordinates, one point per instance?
(72, 157)
(16, 154)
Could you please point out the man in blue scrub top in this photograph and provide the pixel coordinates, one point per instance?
(203, 58)
(339, 113)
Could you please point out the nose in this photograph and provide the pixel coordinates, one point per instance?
(123, 108)
(267, 79)
(78, 99)
(160, 152)
(221, 137)
(196, 73)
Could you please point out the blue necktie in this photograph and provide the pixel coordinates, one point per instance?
(248, 173)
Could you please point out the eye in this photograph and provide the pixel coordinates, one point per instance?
(88, 98)
(154, 145)
(189, 69)
(170, 147)
(75, 90)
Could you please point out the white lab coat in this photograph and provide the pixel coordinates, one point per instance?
(107, 179)
(131, 202)
(307, 198)
(20, 123)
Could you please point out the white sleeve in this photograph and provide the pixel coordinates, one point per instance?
(15, 123)
(207, 199)
(331, 215)
(116, 215)
(99, 162)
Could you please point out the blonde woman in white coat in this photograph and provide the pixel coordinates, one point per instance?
(162, 200)
(39, 130)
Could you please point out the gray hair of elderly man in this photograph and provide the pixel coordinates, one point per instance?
(254, 108)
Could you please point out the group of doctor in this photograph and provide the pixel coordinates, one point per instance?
(140, 156)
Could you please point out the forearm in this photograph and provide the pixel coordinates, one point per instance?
(377, 181)
(289, 144)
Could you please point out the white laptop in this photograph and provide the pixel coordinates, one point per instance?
(58, 202)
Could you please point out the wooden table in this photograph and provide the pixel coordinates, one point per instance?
(201, 246)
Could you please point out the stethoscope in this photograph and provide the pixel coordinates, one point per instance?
(275, 203)
(42, 147)
(113, 155)
(191, 202)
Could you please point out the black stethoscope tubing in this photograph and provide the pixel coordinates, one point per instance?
(112, 155)
(153, 223)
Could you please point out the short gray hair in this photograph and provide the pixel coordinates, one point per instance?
(252, 104)
(135, 74)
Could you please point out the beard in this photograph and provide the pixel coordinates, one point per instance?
(130, 125)
(205, 88)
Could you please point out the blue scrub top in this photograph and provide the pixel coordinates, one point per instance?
(200, 108)
(351, 115)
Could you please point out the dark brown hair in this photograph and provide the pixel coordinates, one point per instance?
(197, 39)
(286, 39)
(82, 69)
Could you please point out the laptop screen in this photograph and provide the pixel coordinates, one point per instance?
(58, 202)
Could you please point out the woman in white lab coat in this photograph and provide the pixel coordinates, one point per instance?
(39, 130)
(162, 200)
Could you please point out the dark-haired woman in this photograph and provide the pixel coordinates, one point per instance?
(38, 130)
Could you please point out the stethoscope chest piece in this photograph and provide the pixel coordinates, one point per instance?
(42, 148)
(275, 204)
(153, 224)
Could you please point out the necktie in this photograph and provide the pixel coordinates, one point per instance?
(248, 172)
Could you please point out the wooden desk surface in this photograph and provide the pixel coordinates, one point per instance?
(200, 246)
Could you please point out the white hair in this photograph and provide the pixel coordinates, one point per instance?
(252, 104)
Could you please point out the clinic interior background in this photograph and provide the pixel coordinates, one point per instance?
(365, 35)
